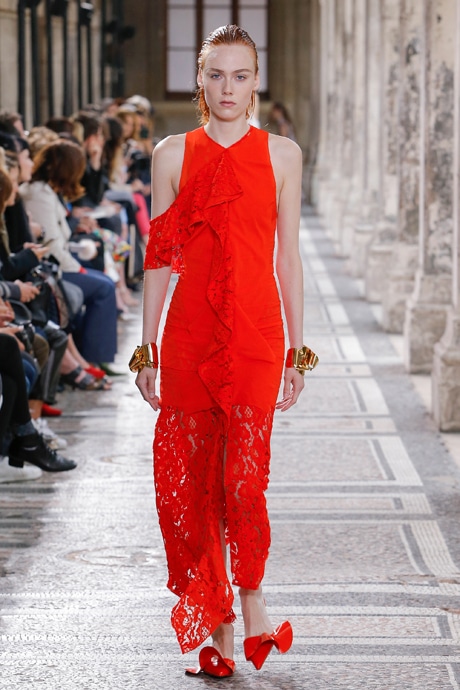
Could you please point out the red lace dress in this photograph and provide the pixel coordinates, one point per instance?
(221, 363)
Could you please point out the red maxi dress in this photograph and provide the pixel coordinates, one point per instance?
(221, 362)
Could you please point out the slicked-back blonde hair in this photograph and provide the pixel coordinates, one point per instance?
(225, 35)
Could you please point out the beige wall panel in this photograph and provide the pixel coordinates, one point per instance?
(8, 55)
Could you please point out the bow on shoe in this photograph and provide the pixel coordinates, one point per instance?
(212, 663)
(256, 649)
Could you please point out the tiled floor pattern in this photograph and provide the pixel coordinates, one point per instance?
(364, 504)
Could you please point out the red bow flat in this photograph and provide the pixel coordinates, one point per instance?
(212, 663)
(256, 649)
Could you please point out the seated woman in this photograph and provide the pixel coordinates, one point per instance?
(49, 345)
(27, 445)
(19, 438)
(17, 266)
(58, 168)
(29, 256)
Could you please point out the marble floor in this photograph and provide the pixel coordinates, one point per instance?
(365, 512)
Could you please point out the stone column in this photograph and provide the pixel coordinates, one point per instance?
(295, 41)
(385, 234)
(357, 105)
(344, 124)
(399, 283)
(446, 361)
(309, 104)
(371, 202)
(149, 44)
(331, 209)
(324, 168)
(427, 308)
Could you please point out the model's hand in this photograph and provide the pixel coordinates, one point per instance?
(293, 386)
(145, 381)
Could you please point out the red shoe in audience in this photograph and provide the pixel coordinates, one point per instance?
(96, 372)
(49, 411)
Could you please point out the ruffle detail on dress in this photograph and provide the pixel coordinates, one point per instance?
(204, 200)
(213, 185)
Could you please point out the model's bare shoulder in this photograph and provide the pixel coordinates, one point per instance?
(167, 159)
(284, 151)
(286, 158)
(169, 151)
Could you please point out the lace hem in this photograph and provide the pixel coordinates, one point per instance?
(210, 476)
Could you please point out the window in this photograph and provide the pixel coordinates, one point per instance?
(190, 21)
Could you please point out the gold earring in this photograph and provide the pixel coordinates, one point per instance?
(251, 107)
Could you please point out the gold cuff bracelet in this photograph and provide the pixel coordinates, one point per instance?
(144, 356)
(303, 359)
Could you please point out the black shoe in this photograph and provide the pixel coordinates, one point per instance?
(32, 448)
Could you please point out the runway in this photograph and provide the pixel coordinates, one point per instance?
(365, 513)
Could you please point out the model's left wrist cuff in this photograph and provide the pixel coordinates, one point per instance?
(303, 359)
(144, 356)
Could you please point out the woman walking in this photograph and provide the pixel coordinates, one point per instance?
(220, 194)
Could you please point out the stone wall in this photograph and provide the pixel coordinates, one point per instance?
(390, 93)
(63, 87)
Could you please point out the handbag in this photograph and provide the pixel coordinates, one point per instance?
(23, 318)
(68, 297)
(41, 305)
(73, 297)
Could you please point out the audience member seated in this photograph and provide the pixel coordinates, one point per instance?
(11, 123)
(44, 349)
(59, 167)
(20, 441)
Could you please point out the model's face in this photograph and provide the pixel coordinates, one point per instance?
(26, 165)
(228, 78)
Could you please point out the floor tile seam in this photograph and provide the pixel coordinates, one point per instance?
(345, 416)
(364, 641)
(367, 483)
(350, 495)
(357, 414)
(318, 491)
(375, 485)
(326, 434)
(307, 610)
(356, 515)
(359, 520)
(301, 640)
(158, 591)
(433, 547)
(105, 512)
(315, 517)
(322, 376)
(374, 433)
(338, 598)
(9, 658)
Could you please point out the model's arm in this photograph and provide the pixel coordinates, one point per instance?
(287, 163)
(166, 166)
